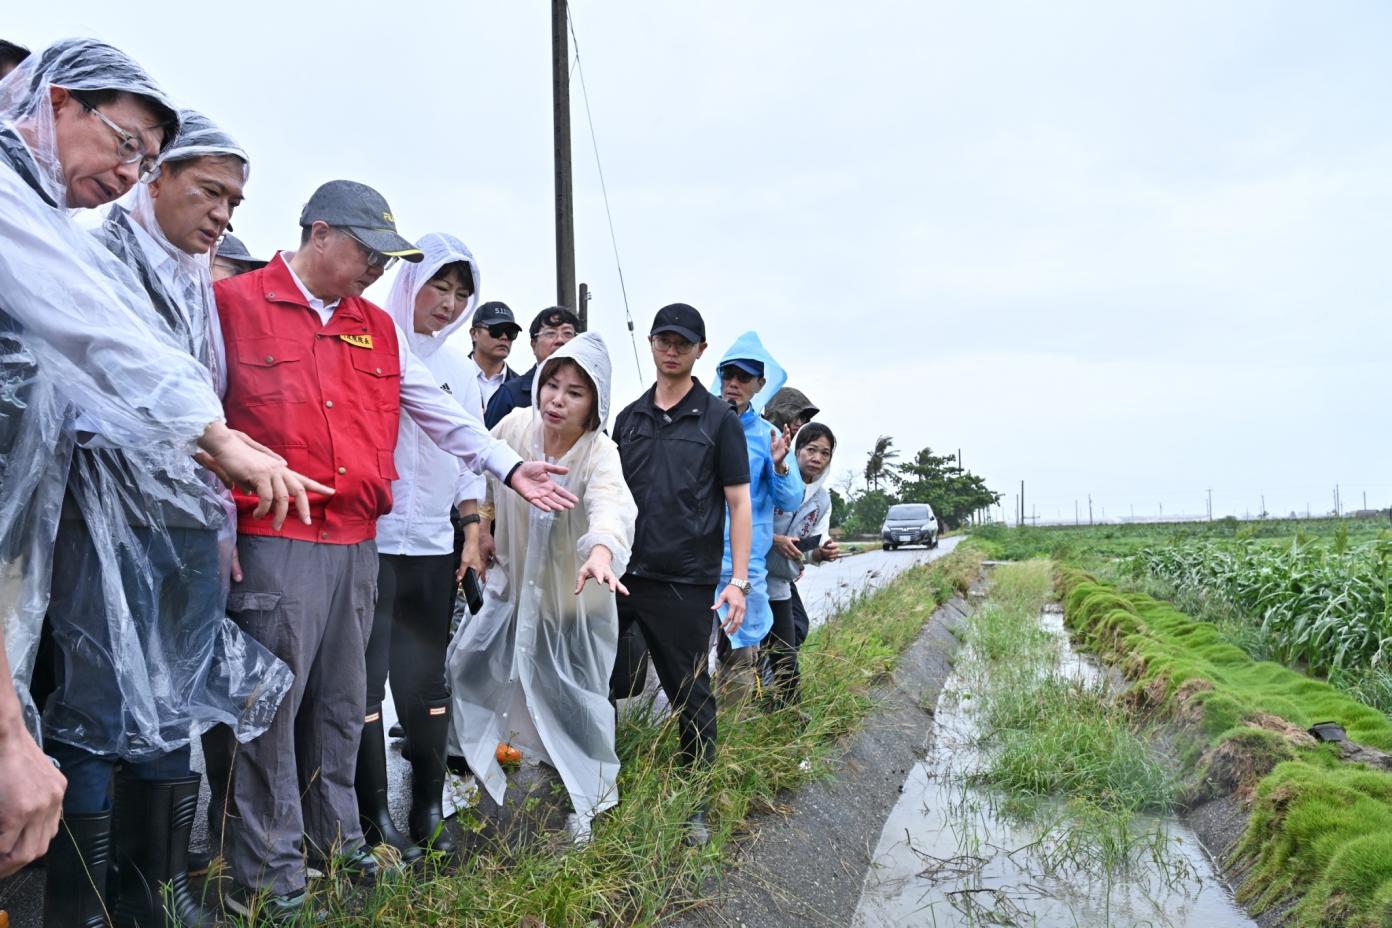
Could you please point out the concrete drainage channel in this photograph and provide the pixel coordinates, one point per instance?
(951, 853)
(902, 836)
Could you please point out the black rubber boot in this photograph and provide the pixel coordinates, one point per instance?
(78, 860)
(371, 782)
(427, 734)
(154, 819)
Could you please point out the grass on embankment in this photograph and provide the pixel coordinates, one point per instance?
(1059, 748)
(1321, 829)
(638, 867)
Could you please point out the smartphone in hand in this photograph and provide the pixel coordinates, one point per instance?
(808, 543)
(473, 591)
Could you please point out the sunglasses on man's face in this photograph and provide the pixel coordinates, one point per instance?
(502, 330)
(736, 373)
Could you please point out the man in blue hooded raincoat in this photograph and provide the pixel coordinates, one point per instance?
(749, 377)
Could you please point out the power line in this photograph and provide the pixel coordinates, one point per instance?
(604, 190)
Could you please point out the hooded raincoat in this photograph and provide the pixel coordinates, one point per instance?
(813, 517)
(532, 668)
(430, 481)
(145, 540)
(767, 490)
(76, 329)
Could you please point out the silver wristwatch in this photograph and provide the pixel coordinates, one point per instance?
(744, 586)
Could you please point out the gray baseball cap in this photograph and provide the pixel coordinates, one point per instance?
(232, 249)
(362, 211)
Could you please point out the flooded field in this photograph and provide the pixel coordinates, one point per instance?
(957, 852)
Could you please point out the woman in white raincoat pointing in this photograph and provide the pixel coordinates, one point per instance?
(532, 668)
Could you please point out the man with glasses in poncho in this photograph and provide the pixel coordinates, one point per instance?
(79, 124)
(146, 651)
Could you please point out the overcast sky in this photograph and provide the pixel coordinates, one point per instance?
(1133, 250)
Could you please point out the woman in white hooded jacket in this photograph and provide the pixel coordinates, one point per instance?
(431, 302)
(808, 525)
(532, 668)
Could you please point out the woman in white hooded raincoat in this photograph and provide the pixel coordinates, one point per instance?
(532, 668)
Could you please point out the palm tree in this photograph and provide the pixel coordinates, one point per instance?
(879, 466)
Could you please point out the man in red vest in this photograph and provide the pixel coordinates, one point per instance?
(321, 376)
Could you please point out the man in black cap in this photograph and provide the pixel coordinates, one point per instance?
(322, 376)
(685, 460)
(232, 258)
(494, 331)
(11, 55)
(552, 328)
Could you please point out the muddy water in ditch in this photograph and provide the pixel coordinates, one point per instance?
(951, 855)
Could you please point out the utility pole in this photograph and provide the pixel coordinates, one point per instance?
(1210, 505)
(1076, 520)
(1263, 499)
(1089, 509)
(1022, 502)
(582, 309)
(565, 204)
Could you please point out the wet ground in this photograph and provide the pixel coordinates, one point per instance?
(950, 854)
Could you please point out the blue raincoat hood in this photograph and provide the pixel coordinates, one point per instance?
(749, 346)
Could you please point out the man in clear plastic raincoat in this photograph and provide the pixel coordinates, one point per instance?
(749, 376)
(79, 123)
(146, 651)
(532, 668)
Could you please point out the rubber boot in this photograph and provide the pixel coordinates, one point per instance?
(154, 819)
(427, 734)
(78, 860)
(371, 783)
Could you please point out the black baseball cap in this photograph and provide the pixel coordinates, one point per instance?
(681, 319)
(364, 212)
(496, 312)
(232, 249)
(553, 315)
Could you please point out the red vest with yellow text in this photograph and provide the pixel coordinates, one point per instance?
(327, 398)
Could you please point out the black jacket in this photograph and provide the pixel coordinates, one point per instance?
(513, 394)
(678, 464)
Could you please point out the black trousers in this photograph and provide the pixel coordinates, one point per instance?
(410, 631)
(781, 645)
(671, 622)
(800, 623)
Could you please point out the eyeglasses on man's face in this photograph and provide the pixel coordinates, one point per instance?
(373, 257)
(131, 149)
(667, 344)
(551, 332)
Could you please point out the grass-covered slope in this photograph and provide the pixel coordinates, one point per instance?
(1321, 828)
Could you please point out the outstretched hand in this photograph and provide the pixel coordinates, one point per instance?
(532, 481)
(242, 462)
(599, 567)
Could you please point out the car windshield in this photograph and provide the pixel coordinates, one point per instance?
(907, 513)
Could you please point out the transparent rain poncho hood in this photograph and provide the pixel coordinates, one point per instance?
(77, 330)
(532, 668)
(145, 540)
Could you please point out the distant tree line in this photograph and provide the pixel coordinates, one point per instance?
(937, 479)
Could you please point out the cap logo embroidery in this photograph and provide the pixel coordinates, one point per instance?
(358, 341)
(389, 218)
